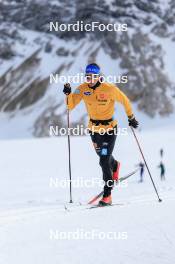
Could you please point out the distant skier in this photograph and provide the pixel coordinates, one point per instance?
(162, 171)
(100, 100)
(142, 168)
(161, 152)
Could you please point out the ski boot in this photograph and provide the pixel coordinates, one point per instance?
(105, 201)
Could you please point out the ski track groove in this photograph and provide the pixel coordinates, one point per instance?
(10, 215)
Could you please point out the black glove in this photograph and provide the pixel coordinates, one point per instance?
(133, 122)
(67, 89)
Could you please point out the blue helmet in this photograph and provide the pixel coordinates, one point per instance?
(92, 69)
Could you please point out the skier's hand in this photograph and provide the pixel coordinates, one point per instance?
(133, 122)
(67, 89)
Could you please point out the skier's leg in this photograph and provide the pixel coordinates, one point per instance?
(141, 178)
(97, 143)
(113, 163)
(104, 145)
(110, 139)
(103, 142)
(163, 176)
(107, 174)
(107, 162)
(95, 137)
(109, 142)
(141, 175)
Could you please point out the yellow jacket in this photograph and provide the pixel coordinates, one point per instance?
(100, 103)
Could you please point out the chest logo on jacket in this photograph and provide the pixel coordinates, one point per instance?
(87, 93)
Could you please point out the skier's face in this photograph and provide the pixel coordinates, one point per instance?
(92, 79)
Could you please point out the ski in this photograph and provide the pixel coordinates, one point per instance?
(99, 206)
(117, 182)
(82, 207)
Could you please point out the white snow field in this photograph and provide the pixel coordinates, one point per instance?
(32, 210)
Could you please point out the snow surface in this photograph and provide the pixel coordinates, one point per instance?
(30, 208)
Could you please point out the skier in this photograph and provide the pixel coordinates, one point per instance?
(162, 171)
(100, 100)
(142, 168)
(161, 152)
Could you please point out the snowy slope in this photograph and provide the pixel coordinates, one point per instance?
(30, 208)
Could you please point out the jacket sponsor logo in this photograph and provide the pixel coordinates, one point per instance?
(87, 93)
(103, 96)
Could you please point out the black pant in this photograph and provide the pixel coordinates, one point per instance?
(104, 145)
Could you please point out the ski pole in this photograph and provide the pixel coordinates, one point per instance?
(159, 199)
(69, 151)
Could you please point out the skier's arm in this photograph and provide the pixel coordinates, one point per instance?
(72, 98)
(120, 97)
